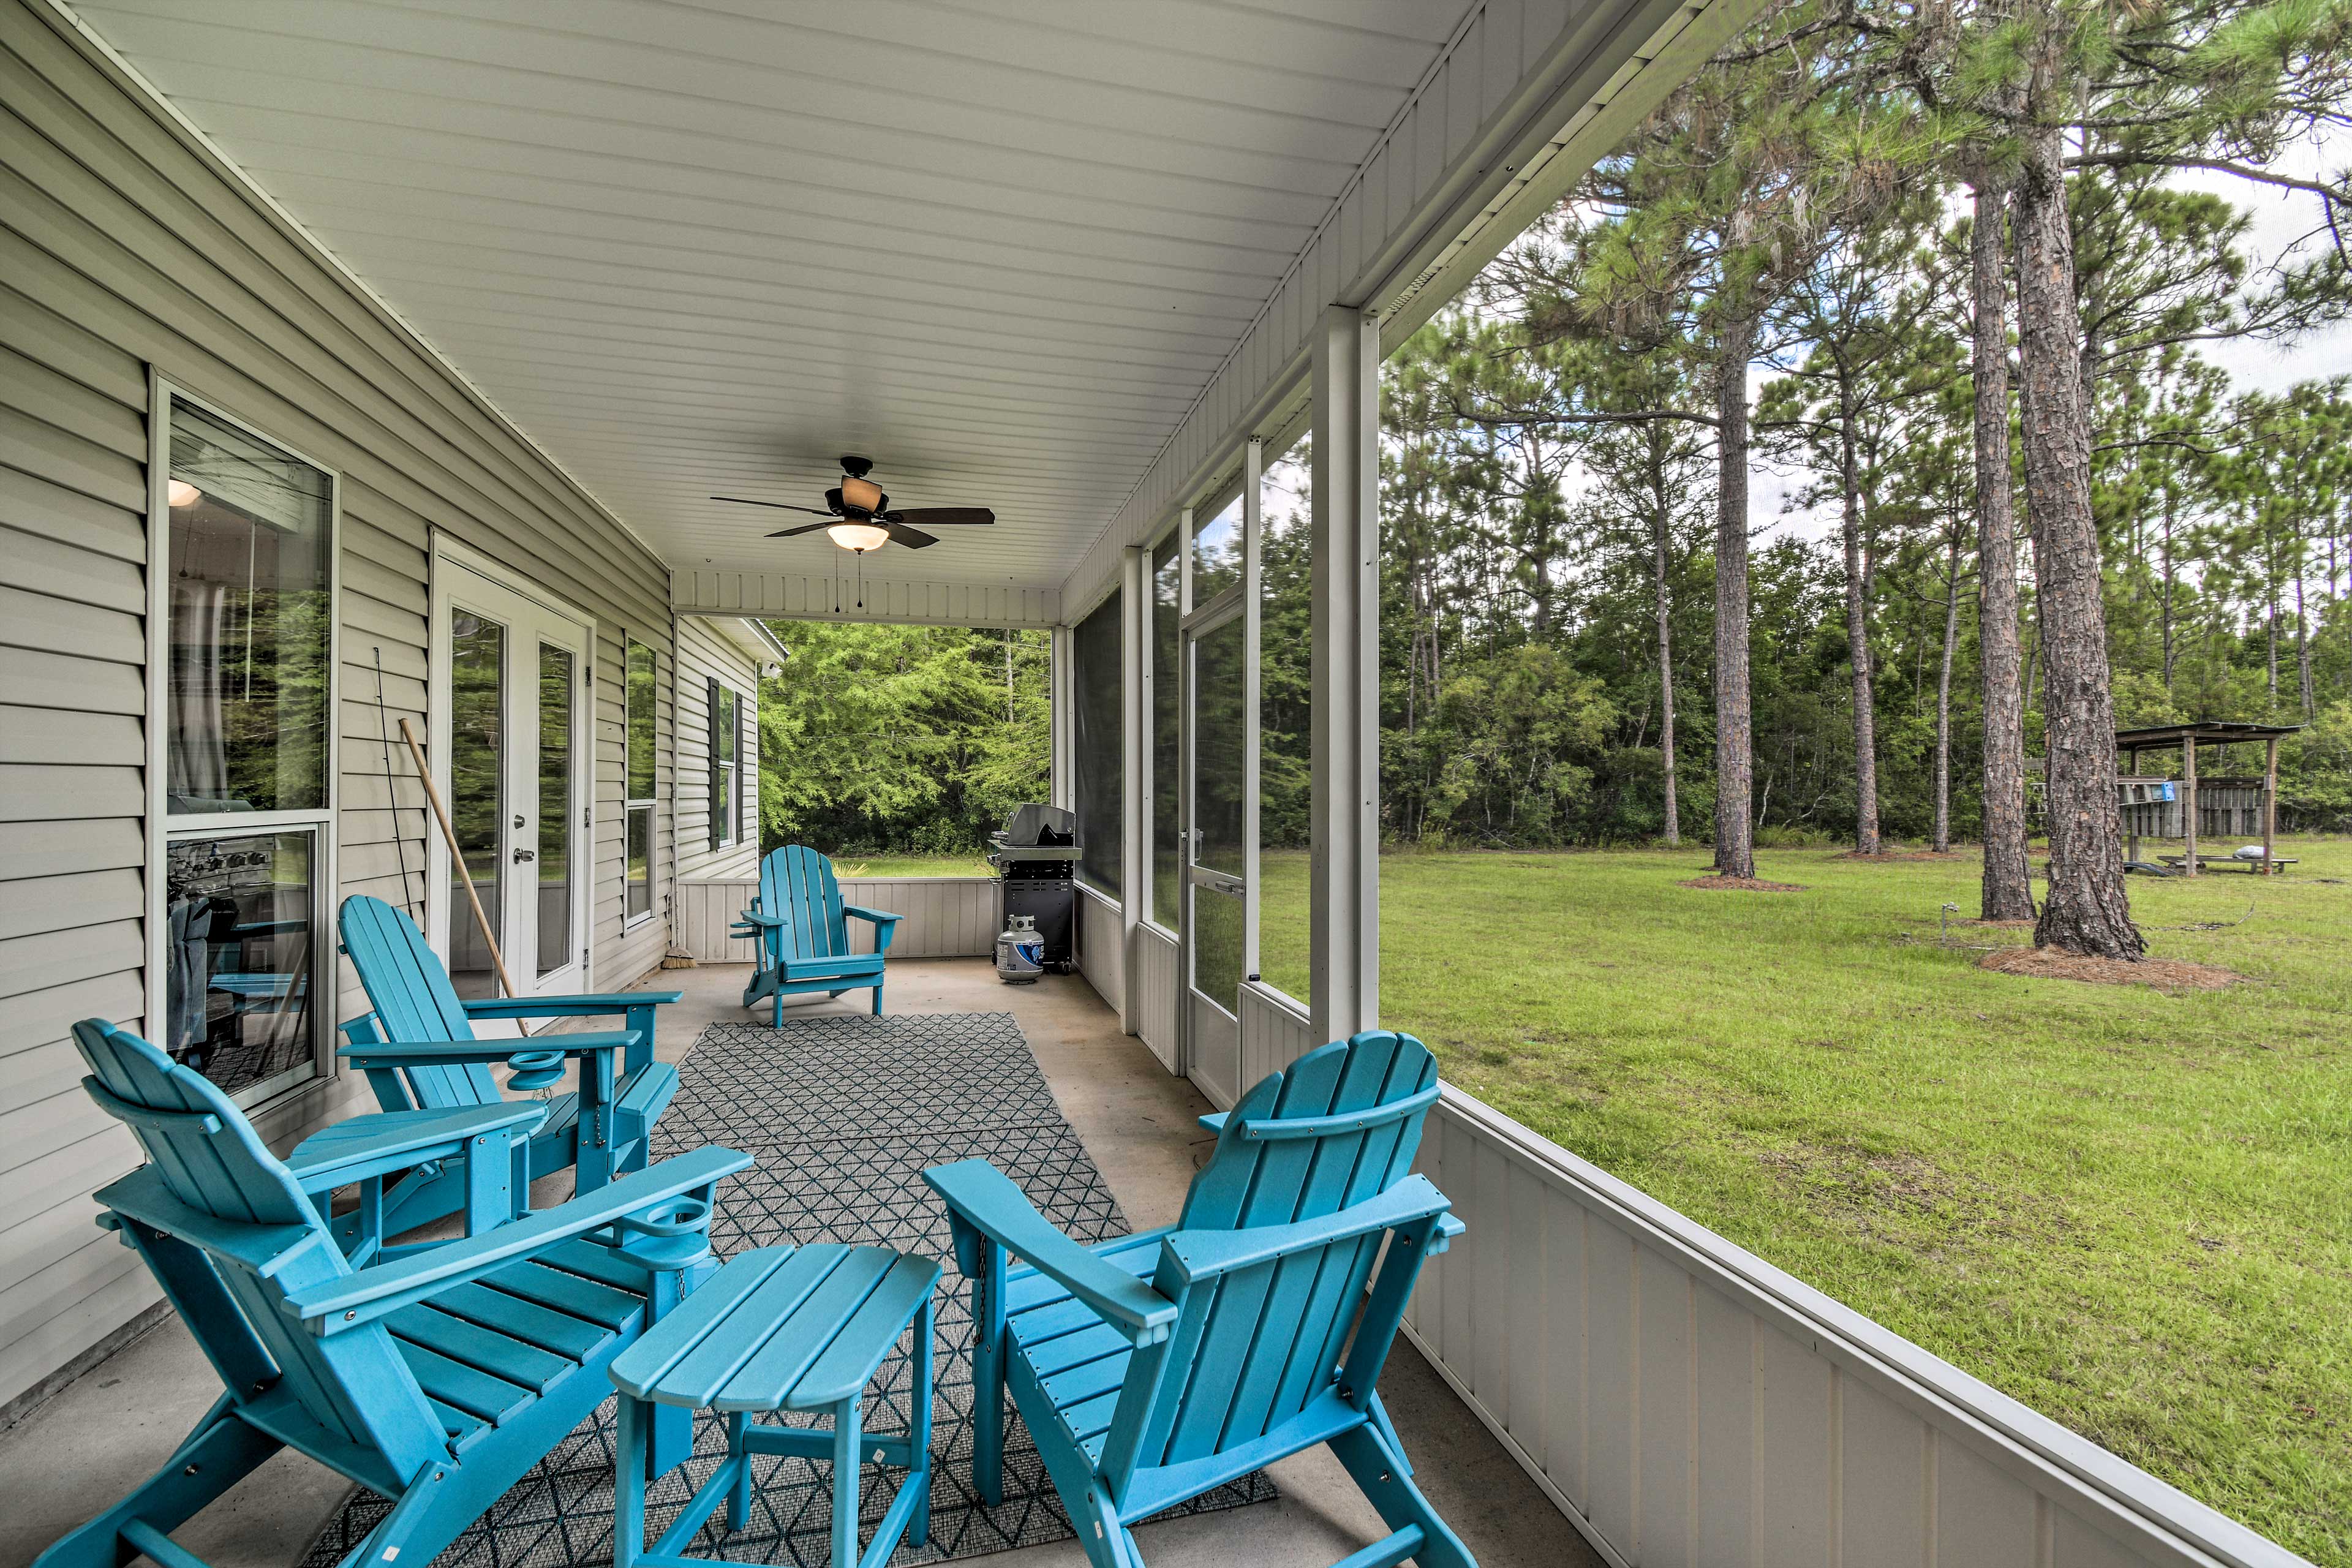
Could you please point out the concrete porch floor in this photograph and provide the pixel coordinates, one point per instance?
(109, 1429)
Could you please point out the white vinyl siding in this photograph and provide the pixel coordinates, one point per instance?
(705, 652)
(126, 247)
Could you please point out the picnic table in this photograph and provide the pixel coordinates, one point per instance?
(2252, 864)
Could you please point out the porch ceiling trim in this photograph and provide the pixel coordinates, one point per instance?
(1528, 95)
(820, 596)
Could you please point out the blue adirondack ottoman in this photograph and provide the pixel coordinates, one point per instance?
(802, 928)
(435, 1379)
(1155, 1367)
(418, 1051)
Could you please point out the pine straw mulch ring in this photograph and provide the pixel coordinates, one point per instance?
(2163, 974)
(1742, 884)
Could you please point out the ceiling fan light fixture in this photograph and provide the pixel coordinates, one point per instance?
(861, 495)
(859, 536)
(180, 493)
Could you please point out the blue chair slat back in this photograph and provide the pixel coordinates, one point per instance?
(797, 886)
(412, 1000)
(1252, 1352)
(206, 1156)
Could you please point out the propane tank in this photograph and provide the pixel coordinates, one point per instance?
(1020, 952)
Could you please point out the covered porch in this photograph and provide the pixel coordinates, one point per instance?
(517, 302)
(108, 1430)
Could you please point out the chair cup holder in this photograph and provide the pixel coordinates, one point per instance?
(670, 1235)
(535, 1070)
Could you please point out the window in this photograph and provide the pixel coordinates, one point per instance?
(1217, 553)
(726, 730)
(1167, 862)
(637, 724)
(1098, 741)
(243, 598)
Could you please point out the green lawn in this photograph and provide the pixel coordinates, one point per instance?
(2133, 1211)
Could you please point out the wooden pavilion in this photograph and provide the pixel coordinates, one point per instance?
(2231, 806)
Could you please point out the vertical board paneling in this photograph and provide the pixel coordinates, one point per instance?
(941, 917)
(1273, 1032)
(1882, 1485)
(1102, 950)
(1684, 1403)
(1155, 996)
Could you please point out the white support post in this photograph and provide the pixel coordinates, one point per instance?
(1344, 895)
(1062, 773)
(1135, 771)
(1252, 699)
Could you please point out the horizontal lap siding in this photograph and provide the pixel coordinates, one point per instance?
(703, 655)
(1685, 1414)
(122, 247)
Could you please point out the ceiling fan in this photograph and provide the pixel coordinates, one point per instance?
(861, 517)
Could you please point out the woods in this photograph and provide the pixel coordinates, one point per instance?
(1826, 264)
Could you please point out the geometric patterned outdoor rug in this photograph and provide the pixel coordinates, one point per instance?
(841, 1113)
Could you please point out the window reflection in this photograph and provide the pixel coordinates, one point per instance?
(237, 954)
(249, 622)
(554, 808)
(477, 794)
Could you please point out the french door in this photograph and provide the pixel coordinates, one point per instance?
(511, 755)
(1219, 697)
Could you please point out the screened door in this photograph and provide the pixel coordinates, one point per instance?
(511, 756)
(1218, 697)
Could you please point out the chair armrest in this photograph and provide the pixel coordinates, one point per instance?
(566, 1006)
(983, 1204)
(1214, 1121)
(456, 1053)
(373, 1145)
(1205, 1254)
(335, 1306)
(753, 917)
(878, 916)
(261, 1250)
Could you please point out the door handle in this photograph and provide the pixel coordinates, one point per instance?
(523, 854)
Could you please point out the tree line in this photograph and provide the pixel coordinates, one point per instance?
(1938, 265)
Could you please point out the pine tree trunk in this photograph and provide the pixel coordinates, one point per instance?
(2167, 587)
(1659, 503)
(1858, 636)
(2303, 646)
(2087, 909)
(1734, 741)
(1943, 842)
(2008, 888)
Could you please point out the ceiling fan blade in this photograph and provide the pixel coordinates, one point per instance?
(912, 538)
(796, 533)
(944, 516)
(780, 506)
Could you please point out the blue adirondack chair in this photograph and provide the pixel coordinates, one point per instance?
(803, 931)
(436, 1380)
(1155, 1367)
(419, 1052)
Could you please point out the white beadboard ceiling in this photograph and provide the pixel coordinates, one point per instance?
(997, 246)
